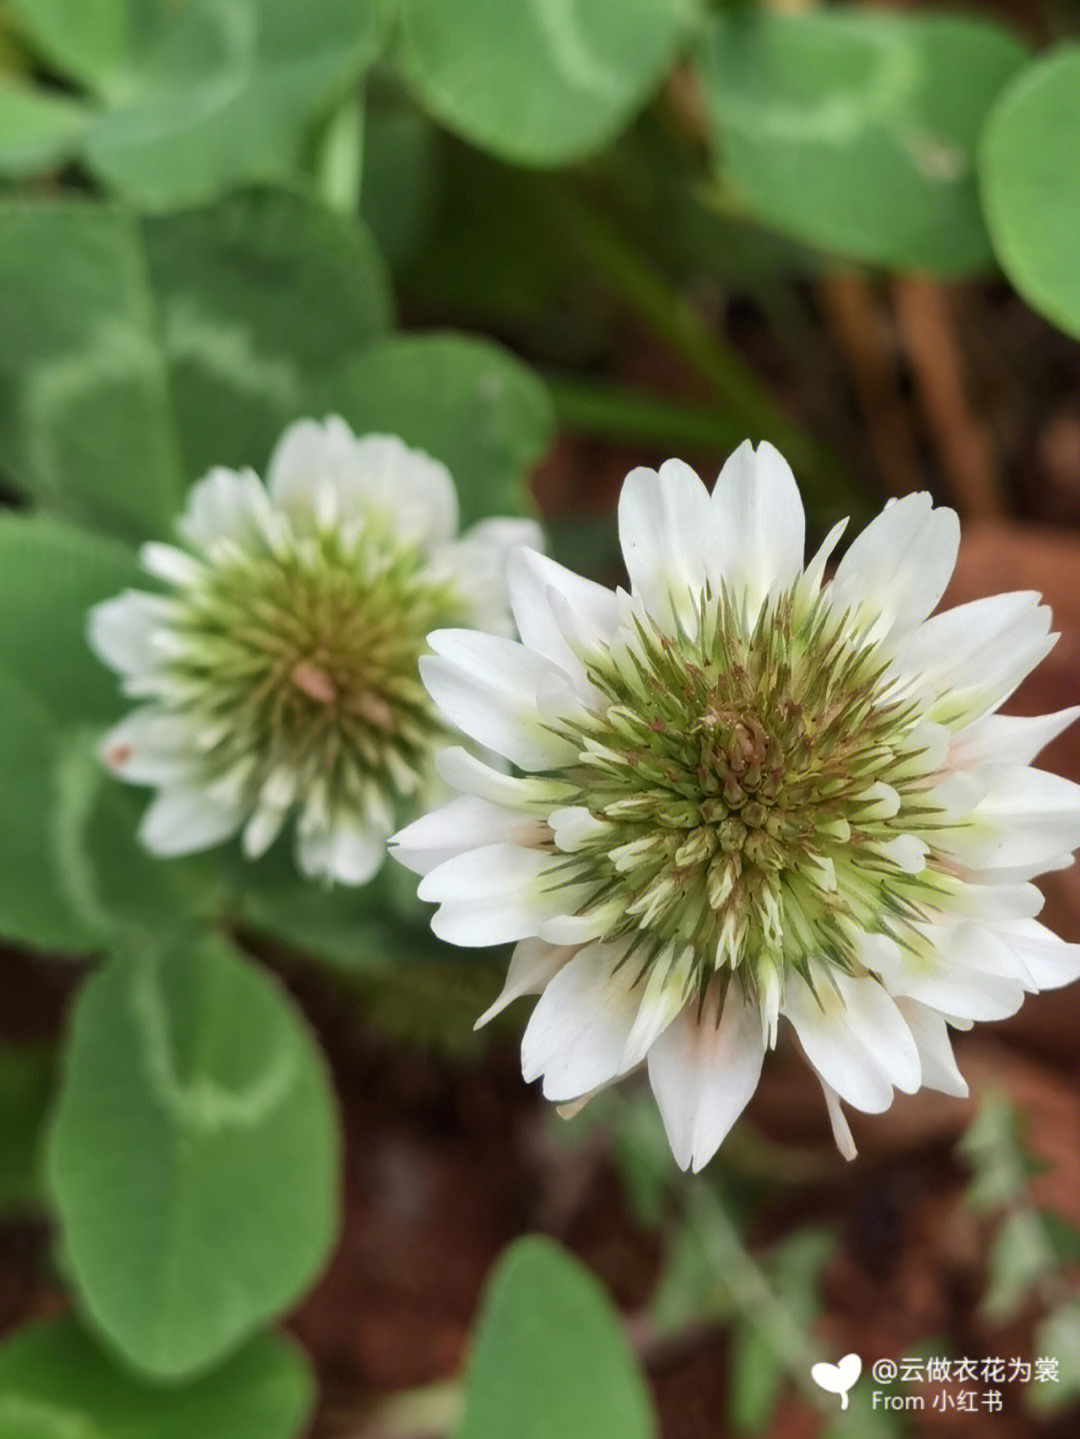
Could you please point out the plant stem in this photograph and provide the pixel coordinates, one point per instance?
(620, 264)
(614, 412)
(751, 1293)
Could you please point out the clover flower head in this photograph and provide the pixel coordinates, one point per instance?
(278, 665)
(748, 801)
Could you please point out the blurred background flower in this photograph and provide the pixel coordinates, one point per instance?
(280, 666)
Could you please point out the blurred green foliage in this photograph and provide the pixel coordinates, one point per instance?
(206, 207)
(548, 1357)
(1030, 1248)
(55, 1381)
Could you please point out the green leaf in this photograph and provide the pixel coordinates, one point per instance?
(855, 130)
(1058, 1339)
(1062, 1236)
(861, 1420)
(757, 1370)
(262, 298)
(539, 82)
(682, 216)
(993, 1146)
(549, 1359)
(402, 177)
(1019, 1258)
(466, 401)
(26, 1081)
(229, 94)
(56, 1384)
(50, 575)
(33, 905)
(38, 128)
(73, 870)
(90, 42)
(1029, 169)
(107, 877)
(689, 1287)
(135, 354)
(85, 424)
(494, 262)
(194, 1156)
(204, 95)
(354, 927)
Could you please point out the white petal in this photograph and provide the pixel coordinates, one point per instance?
(966, 971)
(993, 903)
(1027, 816)
(981, 948)
(663, 998)
(496, 894)
(1049, 960)
(960, 791)
(1009, 739)
(760, 522)
(461, 769)
(1018, 873)
(574, 1108)
(303, 471)
(414, 488)
(877, 801)
(225, 505)
(578, 1030)
(573, 827)
(532, 579)
(357, 851)
(152, 746)
(180, 821)
(906, 851)
(347, 848)
(899, 566)
(121, 630)
(322, 475)
(975, 655)
(939, 1069)
(488, 686)
(477, 566)
(262, 829)
(838, 1119)
(506, 534)
(168, 563)
(810, 582)
(465, 823)
(581, 928)
(854, 1036)
(313, 847)
(925, 749)
(532, 964)
(703, 1073)
(666, 530)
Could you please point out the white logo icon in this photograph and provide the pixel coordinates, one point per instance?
(838, 1378)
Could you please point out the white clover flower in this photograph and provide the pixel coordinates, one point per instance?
(744, 796)
(280, 665)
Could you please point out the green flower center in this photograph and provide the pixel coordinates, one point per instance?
(307, 660)
(743, 783)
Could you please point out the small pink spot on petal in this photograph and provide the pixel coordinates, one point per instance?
(314, 682)
(117, 755)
